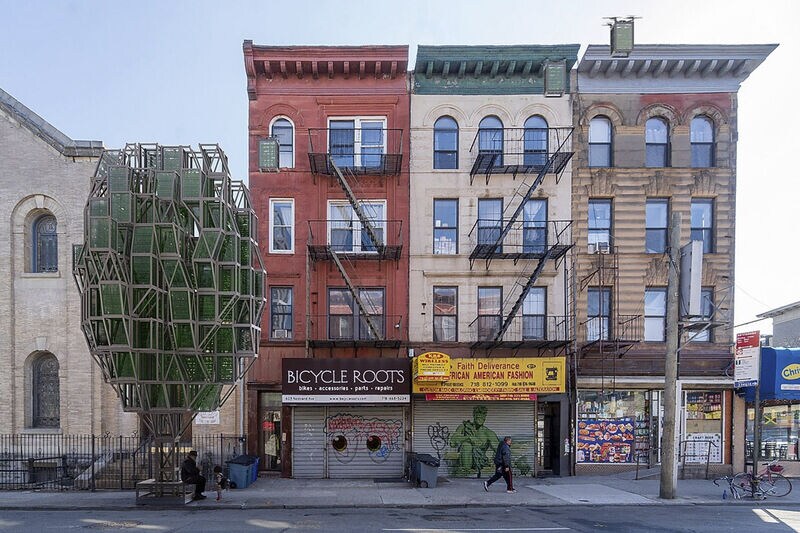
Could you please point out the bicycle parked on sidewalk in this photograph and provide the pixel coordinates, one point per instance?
(768, 482)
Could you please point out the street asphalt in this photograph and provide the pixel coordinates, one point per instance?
(278, 493)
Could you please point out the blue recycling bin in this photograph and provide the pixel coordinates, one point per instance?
(243, 470)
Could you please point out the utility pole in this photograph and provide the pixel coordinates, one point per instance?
(669, 467)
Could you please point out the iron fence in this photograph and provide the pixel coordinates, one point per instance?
(97, 462)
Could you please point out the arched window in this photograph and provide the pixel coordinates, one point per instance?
(490, 139)
(445, 143)
(45, 400)
(284, 131)
(600, 142)
(656, 139)
(702, 139)
(535, 142)
(45, 244)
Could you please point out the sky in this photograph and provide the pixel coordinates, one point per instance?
(172, 72)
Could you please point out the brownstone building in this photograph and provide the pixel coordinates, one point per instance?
(655, 135)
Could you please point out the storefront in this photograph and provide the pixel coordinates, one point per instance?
(349, 416)
(461, 416)
(624, 427)
(780, 407)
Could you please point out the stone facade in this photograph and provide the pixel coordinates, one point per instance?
(43, 172)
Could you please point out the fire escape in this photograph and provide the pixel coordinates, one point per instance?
(531, 153)
(608, 334)
(364, 235)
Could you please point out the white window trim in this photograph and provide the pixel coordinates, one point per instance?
(294, 138)
(357, 120)
(272, 202)
(357, 224)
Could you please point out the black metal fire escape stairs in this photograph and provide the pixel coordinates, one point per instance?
(368, 228)
(556, 162)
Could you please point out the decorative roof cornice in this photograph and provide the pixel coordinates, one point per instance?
(515, 69)
(666, 67)
(322, 62)
(46, 131)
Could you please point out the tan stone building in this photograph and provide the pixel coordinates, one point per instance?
(655, 135)
(49, 383)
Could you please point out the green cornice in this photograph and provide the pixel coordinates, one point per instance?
(468, 70)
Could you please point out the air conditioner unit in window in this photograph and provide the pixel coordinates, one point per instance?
(603, 248)
(592, 247)
(280, 334)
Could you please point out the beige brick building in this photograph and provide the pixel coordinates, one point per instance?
(49, 383)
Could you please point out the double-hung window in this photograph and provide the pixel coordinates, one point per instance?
(490, 301)
(535, 142)
(358, 141)
(445, 226)
(346, 322)
(445, 143)
(445, 314)
(281, 306)
(598, 315)
(281, 221)
(346, 232)
(534, 309)
(655, 314)
(283, 130)
(701, 136)
(534, 226)
(490, 222)
(707, 308)
(656, 138)
(703, 223)
(490, 139)
(656, 213)
(600, 222)
(600, 142)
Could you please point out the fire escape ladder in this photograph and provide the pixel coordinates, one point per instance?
(545, 169)
(366, 223)
(525, 290)
(361, 307)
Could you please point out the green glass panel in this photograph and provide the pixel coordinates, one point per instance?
(228, 252)
(172, 158)
(224, 340)
(167, 239)
(112, 299)
(243, 222)
(243, 311)
(98, 207)
(206, 397)
(99, 332)
(212, 214)
(99, 233)
(191, 184)
(119, 179)
(225, 367)
(142, 267)
(121, 207)
(144, 209)
(165, 185)
(184, 337)
(180, 303)
(258, 284)
(119, 335)
(244, 252)
(142, 239)
(141, 334)
(226, 275)
(94, 302)
(205, 275)
(244, 280)
(244, 339)
(208, 310)
(226, 304)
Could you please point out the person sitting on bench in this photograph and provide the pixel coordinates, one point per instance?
(191, 474)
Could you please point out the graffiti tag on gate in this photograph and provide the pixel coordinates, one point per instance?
(346, 433)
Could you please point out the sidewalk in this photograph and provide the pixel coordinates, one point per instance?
(277, 493)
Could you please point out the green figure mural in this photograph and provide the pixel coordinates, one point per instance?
(475, 444)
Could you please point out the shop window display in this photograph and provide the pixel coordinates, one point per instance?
(613, 427)
(703, 435)
(780, 428)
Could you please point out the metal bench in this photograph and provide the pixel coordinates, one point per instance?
(164, 493)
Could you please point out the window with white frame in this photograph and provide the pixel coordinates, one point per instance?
(600, 142)
(445, 143)
(346, 322)
(445, 226)
(656, 138)
(281, 223)
(656, 213)
(534, 314)
(598, 313)
(357, 141)
(490, 222)
(283, 130)
(600, 221)
(535, 142)
(703, 223)
(281, 306)
(534, 226)
(655, 314)
(490, 301)
(346, 232)
(490, 138)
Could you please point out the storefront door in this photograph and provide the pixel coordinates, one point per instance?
(269, 436)
(548, 423)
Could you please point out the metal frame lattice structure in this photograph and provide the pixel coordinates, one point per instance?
(171, 280)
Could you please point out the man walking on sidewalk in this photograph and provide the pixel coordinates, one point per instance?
(502, 463)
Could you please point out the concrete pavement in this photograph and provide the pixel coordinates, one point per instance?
(277, 493)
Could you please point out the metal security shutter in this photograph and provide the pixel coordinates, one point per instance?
(365, 442)
(308, 442)
(438, 430)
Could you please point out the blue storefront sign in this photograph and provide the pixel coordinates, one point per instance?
(780, 375)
